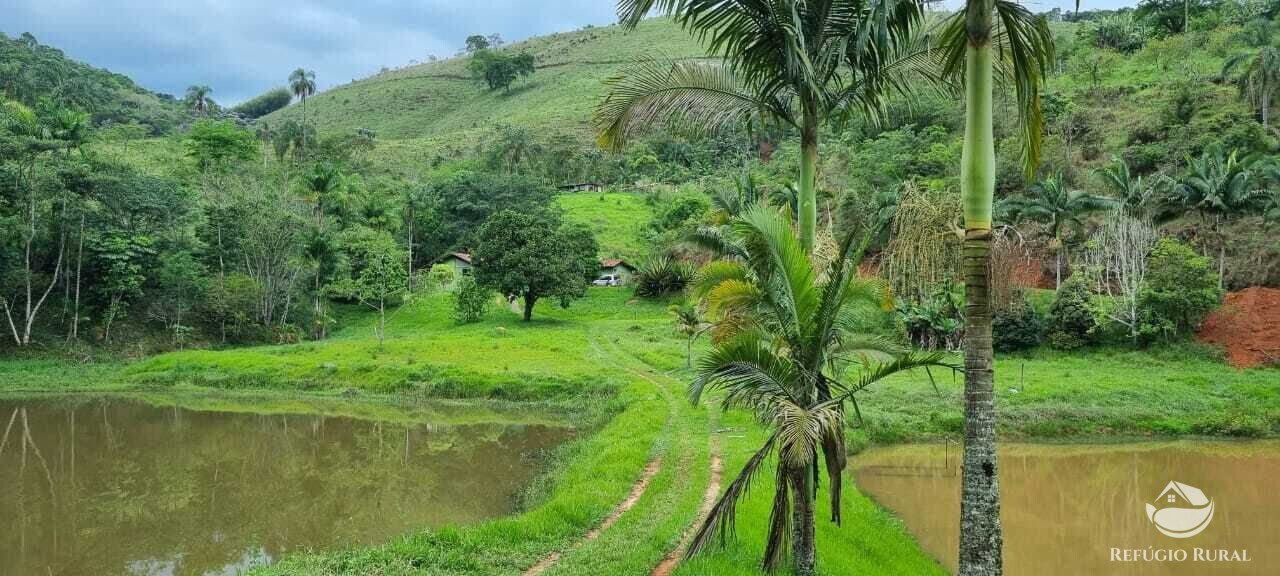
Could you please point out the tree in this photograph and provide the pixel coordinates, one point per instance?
(303, 84)
(214, 144)
(476, 43)
(457, 205)
(1058, 207)
(499, 70)
(790, 62)
(689, 322)
(1259, 77)
(378, 275)
(1180, 290)
(527, 257)
(33, 135)
(972, 41)
(1219, 189)
(784, 344)
(1133, 193)
(198, 99)
(1118, 254)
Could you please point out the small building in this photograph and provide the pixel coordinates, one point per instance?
(461, 262)
(618, 268)
(580, 187)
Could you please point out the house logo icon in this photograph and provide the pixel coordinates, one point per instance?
(1181, 511)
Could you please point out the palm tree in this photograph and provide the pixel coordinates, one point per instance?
(784, 348)
(1219, 189)
(1132, 192)
(198, 99)
(303, 84)
(1259, 78)
(981, 37)
(323, 181)
(792, 62)
(1058, 207)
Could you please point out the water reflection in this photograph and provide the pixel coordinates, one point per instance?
(115, 487)
(1065, 507)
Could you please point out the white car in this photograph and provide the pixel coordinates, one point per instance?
(607, 280)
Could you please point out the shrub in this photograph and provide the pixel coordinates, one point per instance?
(1071, 320)
(661, 275)
(470, 301)
(1019, 328)
(935, 322)
(1180, 289)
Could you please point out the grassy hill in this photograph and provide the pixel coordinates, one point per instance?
(440, 103)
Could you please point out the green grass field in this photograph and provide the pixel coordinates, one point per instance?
(616, 218)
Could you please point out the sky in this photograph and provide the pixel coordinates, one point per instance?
(242, 48)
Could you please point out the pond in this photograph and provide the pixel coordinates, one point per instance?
(124, 487)
(1082, 509)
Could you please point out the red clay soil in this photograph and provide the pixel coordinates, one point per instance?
(1248, 326)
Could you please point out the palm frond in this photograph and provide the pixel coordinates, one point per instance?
(1023, 49)
(694, 97)
(721, 521)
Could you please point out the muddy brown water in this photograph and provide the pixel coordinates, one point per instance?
(122, 487)
(1066, 507)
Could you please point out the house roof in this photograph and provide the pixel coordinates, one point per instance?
(1192, 495)
(463, 256)
(615, 262)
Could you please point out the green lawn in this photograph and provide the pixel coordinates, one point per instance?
(616, 218)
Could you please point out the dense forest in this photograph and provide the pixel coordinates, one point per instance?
(140, 222)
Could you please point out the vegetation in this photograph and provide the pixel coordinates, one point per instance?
(189, 253)
(525, 257)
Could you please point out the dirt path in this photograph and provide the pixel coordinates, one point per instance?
(637, 490)
(673, 559)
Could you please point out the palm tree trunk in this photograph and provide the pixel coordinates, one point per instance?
(1057, 269)
(1266, 109)
(807, 203)
(803, 544)
(981, 539)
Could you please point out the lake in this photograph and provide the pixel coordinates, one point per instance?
(113, 486)
(1065, 507)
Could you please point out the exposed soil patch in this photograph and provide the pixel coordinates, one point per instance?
(1248, 326)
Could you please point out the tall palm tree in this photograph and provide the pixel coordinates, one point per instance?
(981, 38)
(303, 84)
(1219, 188)
(797, 63)
(785, 343)
(1259, 78)
(1059, 207)
(198, 98)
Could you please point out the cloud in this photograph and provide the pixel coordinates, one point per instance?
(244, 47)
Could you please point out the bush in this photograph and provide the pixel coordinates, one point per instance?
(1071, 320)
(661, 275)
(1180, 289)
(1020, 328)
(470, 301)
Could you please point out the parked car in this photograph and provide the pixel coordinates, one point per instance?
(608, 280)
